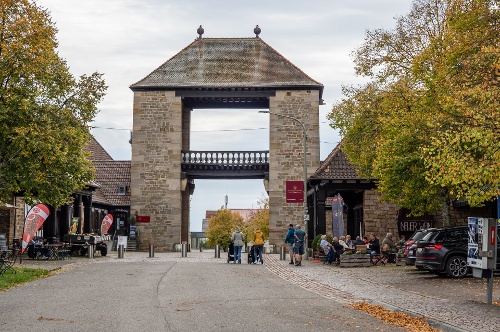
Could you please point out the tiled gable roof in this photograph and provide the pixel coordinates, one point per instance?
(336, 167)
(110, 175)
(98, 197)
(227, 63)
(96, 150)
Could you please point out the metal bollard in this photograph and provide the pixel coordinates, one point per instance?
(184, 249)
(282, 254)
(90, 251)
(217, 251)
(121, 250)
(151, 251)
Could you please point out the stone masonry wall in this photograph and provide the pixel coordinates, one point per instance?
(458, 216)
(12, 220)
(156, 167)
(286, 155)
(379, 217)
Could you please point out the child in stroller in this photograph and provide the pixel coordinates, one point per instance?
(230, 253)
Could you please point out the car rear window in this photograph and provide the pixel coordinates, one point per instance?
(428, 236)
(419, 235)
(452, 235)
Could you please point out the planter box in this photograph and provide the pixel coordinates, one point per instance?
(355, 260)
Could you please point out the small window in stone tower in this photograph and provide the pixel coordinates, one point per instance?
(122, 190)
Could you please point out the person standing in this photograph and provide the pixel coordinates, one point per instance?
(258, 244)
(238, 239)
(290, 240)
(300, 236)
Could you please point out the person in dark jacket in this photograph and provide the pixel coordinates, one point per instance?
(338, 249)
(373, 246)
(290, 240)
(359, 242)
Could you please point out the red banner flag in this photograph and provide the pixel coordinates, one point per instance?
(34, 220)
(106, 223)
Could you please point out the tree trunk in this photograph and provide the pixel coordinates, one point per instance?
(446, 212)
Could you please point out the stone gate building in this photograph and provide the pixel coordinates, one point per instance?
(218, 73)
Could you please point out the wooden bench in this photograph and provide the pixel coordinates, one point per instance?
(355, 260)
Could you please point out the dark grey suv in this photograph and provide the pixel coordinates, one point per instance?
(444, 251)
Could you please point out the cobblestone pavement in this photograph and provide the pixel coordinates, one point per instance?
(450, 304)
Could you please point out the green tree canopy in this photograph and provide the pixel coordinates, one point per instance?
(259, 218)
(44, 110)
(426, 124)
(221, 227)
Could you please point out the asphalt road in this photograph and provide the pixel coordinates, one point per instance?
(173, 295)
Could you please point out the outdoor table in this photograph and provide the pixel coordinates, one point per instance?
(53, 250)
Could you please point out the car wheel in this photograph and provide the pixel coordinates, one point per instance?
(456, 267)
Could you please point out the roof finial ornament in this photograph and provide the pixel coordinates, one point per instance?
(257, 31)
(200, 32)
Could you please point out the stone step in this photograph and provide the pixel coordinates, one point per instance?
(131, 245)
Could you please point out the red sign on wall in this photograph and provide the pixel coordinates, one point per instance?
(143, 219)
(294, 191)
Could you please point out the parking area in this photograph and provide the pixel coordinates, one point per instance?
(450, 304)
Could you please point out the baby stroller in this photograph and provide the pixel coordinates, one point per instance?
(230, 253)
(250, 254)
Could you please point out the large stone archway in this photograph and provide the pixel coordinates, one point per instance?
(217, 73)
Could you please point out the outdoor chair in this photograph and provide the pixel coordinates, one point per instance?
(378, 258)
(7, 260)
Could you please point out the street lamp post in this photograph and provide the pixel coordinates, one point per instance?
(306, 215)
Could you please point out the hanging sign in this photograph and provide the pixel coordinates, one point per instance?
(294, 191)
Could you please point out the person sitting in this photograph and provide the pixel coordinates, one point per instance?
(373, 246)
(366, 240)
(389, 249)
(36, 249)
(359, 242)
(349, 241)
(402, 241)
(327, 249)
(343, 243)
(338, 249)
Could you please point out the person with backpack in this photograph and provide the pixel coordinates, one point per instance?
(290, 241)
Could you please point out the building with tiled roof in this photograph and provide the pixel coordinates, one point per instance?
(217, 73)
(227, 63)
(363, 210)
(96, 150)
(337, 175)
(112, 193)
(336, 167)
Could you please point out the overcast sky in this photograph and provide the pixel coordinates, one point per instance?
(127, 39)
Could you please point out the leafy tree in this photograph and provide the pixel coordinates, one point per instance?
(426, 124)
(221, 227)
(259, 218)
(44, 110)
